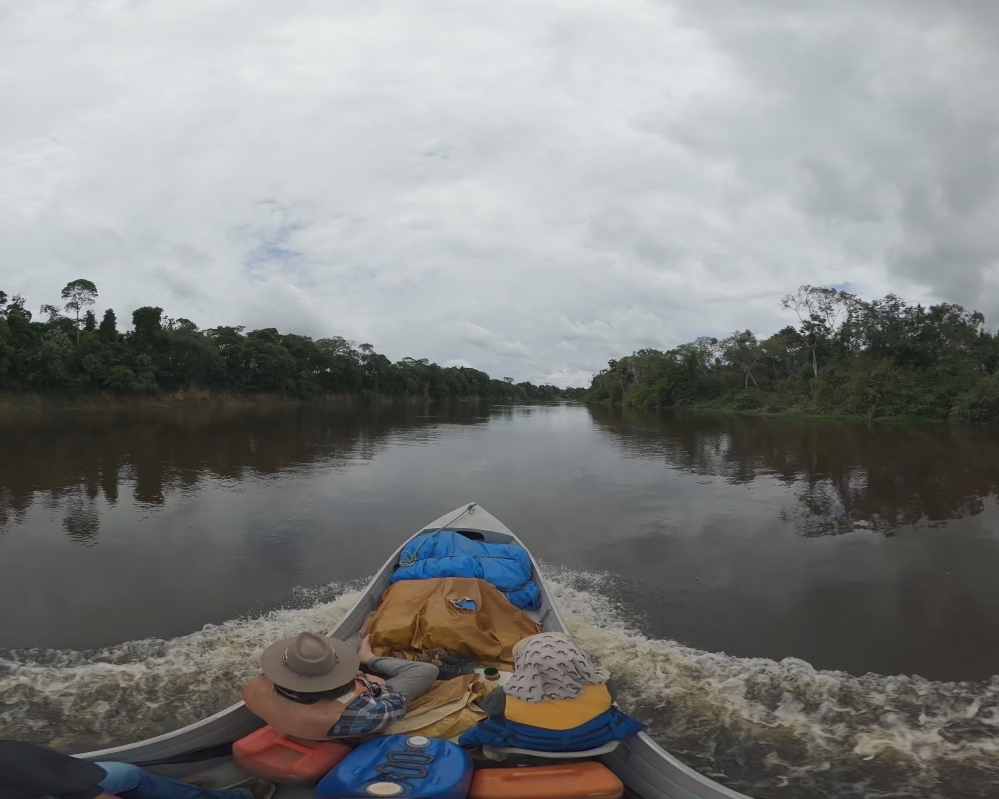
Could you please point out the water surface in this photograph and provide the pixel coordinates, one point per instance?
(797, 608)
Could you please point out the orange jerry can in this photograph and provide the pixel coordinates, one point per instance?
(587, 780)
(286, 760)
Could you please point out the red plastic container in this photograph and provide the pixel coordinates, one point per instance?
(587, 780)
(286, 760)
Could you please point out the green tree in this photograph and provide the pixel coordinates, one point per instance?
(147, 322)
(145, 383)
(15, 306)
(80, 295)
(53, 312)
(6, 348)
(337, 345)
(980, 404)
(268, 366)
(194, 358)
(50, 359)
(376, 369)
(745, 352)
(821, 311)
(784, 351)
(120, 378)
(160, 353)
(108, 330)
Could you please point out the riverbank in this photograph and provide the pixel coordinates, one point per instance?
(22, 401)
(802, 413)
(795, 415)
(808, 416)
(18, 402)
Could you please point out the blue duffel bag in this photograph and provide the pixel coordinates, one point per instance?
(447, 553)
(410, 766)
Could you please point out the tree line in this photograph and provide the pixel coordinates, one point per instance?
(66, 350)
(879, 358)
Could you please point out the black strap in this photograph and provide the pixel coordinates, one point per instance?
(406, 765)
(402, 772)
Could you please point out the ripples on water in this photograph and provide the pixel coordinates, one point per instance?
(768, 729)
(827, 556)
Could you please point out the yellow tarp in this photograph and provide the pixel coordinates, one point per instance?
(424, 614)
(446, 710)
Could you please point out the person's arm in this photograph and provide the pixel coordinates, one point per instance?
(29, 770)
(370, 713)
(410, 678)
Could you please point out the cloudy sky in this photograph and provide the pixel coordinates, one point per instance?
(527, 186)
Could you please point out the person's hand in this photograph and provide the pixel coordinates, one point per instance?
(370, 680)
(364, 652)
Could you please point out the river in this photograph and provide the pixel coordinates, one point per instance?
(796, 608)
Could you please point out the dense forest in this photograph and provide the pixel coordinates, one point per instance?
(883, 358)
(68, 351)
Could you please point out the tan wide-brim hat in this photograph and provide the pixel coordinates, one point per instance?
(310, 663)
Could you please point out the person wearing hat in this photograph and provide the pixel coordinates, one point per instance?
(312, 688)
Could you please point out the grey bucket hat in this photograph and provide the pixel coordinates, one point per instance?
(310, 663)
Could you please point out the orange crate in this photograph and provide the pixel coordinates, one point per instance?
(587, 780)
(286, 760)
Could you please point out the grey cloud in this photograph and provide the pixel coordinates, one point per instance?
(883, 111)
(529, 187)
(478, 336)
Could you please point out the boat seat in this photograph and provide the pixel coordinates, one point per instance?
(501, 752)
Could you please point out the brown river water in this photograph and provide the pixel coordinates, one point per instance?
(796, 608)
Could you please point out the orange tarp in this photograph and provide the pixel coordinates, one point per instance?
(424, 614)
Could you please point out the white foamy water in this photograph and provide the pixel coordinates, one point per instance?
(770, 729)
(786, 729)
(138, 689)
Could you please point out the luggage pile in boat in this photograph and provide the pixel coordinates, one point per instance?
(414, 767)
(466, 601)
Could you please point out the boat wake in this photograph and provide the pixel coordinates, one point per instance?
(786, 729)
(85, 700)
(766, 728)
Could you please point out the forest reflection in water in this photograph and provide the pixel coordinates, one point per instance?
(847, 476)
(749, 535)
(70, 459)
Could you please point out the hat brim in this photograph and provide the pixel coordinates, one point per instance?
(273, 665)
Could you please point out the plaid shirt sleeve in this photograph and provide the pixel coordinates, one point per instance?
(370, 713)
